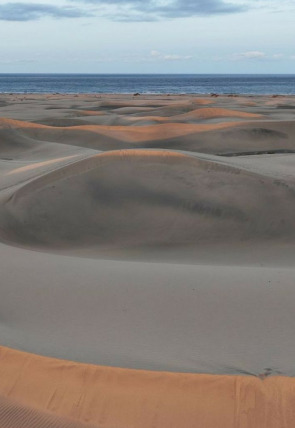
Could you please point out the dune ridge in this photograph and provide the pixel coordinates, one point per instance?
(205, 113)
(128, 134)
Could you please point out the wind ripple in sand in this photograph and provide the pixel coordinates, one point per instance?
(15, 415)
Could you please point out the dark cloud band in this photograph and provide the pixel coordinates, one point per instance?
(33, 11)
(156, 9)
(123, 10)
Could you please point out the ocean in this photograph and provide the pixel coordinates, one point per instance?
(148, 83)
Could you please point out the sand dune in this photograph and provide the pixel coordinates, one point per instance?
(109, 131)
(243, 138)
(147, 243)
(97, 202)
(212, 113)
(209, 113)
(195, 116)
(121, 133)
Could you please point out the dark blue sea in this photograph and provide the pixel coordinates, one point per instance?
(148, 83)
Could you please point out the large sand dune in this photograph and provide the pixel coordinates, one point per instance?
(154, 237)
(138, 198)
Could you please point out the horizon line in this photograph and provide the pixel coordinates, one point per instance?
(146, 74)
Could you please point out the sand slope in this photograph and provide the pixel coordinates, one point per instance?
(222, 318)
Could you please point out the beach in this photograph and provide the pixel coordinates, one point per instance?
(147, 247)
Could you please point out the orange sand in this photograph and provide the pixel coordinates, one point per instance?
(110, 397)
(123, 133)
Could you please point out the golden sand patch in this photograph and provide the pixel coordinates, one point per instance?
(113, 397)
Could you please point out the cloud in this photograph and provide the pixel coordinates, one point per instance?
(169, 57)
(119, 10)
(151, 10)
(16, 61)
(33, 11)
(278, 56)
(248, 55)
(153, 56)
(272, 5)
(255, 55)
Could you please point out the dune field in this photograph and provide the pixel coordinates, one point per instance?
(147, 248)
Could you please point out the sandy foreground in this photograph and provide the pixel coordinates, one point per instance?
(147, 248)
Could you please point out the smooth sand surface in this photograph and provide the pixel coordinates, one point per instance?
(151, 239)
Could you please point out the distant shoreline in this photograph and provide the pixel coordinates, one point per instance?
(148, 84)
(147, 74)
(147, 94)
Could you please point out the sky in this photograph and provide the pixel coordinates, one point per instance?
(147, 36)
